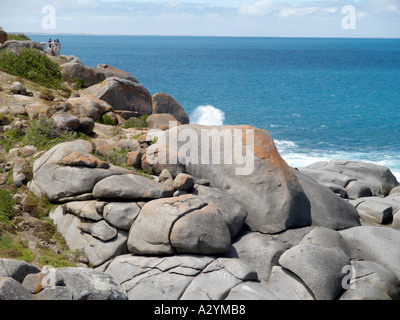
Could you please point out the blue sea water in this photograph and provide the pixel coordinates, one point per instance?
(320, 99)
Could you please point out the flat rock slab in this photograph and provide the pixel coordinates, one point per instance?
(130, 187)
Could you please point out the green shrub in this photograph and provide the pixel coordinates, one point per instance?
(15, 135)
(6, 206)
(106, 119)
(45, 134)
(118, 157)
(140, 122)
(33, 65)
(17, 36)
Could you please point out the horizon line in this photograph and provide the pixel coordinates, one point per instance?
(211, 36)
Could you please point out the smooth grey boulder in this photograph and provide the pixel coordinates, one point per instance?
(183, 181)
(88, 284)
(371, 281)
(16, 46)
(121, 94)
(75, 71)
(130, 187)
(260, 180)
(331, 239)
(375, 212)
(16, 269)
(164, 103)
(150, 233)
(54, 294)
(287, 286)
(380, 179)
(259, 251)
(318, 267)
(327, 209)
(100, 230)
(110, 71)
(18, 88)
(182, 224)
(202, 231)
(11, 289)
(378, 244)
(232, 212)
(66, 121)
(55, 180)
(121, 214)
(215, 282)
(358, 189)
(97, 251)
(85, 209)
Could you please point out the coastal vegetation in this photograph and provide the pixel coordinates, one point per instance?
(33, 65)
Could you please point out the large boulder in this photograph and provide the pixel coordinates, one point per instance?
(110, 71)
(97, 251)
(89, 107)
(257, 177)
(164, 103)
(379, 179)
(75, 71)
(122, 95)
(378, 244)
(131, 187)
(69, 170)
(16, 46)
(15, 269)
(327, 209)
(183, 277)
(3, 36)
(183, 224)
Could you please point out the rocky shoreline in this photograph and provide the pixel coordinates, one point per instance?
(193, 229)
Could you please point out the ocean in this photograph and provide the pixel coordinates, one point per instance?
(320, 99)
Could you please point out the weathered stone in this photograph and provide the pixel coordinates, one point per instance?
(250, 291)
(122, 95)
(232, 212)
(88, 284)
(150, 234)
(27, 151)
(287, 286)
(121, 214)
(96, 250)
(162, 121)
(89, 107)
(74, 71)
(66, 121)
(202, 231)
(380, 179)
(55, 294)
(375, 212)
(358, 189)
(37, 110)
(10, 289)
(130, 187)
(318, 267)
(86, 125)
(133, 159)
(164, 103)
(183, 181)
(16, 46)
(18, 88)
(100, 230)
(110, 71)
(16, 269)
(327, 209)
(262, 182)
(56, 181)
(84, 209)
(371, 281)
(377, 244)
(258, 251)
(165, 177)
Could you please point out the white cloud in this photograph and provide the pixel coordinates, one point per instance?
(259, 8)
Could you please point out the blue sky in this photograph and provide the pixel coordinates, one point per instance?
(287, 18)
